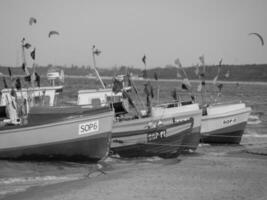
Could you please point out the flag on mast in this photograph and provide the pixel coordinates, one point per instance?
(186, 84)
(33, 54)
(144, 59)
(218, 72)
(178, 63)
(97, 52)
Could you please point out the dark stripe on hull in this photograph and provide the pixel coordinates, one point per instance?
(228, 135)
(88, 148)
(191, 140)
(164, 147)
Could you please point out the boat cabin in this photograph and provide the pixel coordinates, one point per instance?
(35, 96)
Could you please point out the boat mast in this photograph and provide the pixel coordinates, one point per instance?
(23, 53)
(97, 52)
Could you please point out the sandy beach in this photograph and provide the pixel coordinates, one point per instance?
(211, 173)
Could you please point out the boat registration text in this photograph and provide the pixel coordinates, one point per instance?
(156, 135)
(88, 127)
(229, 121)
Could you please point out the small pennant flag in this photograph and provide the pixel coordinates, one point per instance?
(32, 21)
(27, 78)
(178, 63)
(33, 54)
(186, 84)
(25, 69)
(144, 59)
(220, 87)
(27, 45)
(97, 52)
(18, 84)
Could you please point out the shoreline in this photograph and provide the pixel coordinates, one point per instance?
(207, 174)
(176, 80)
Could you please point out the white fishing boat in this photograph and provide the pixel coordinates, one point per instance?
(224, 123)
(73, 132)
(33, 125)
(160, 133)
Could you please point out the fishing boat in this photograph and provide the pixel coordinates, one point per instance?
(151, 135)
(224, 123)
(65, 132)
(145, 135)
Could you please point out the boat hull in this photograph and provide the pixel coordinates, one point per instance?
(224, 124)
(134, 139)
(228, 135)
(80, 137)
(191, 139)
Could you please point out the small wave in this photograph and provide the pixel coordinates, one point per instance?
(203, 145)
(254, 119)
(153, 159)
(255, 135)
(217, 153)
(37, 179)
(13, 190)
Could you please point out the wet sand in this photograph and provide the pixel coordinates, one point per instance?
(211, 173)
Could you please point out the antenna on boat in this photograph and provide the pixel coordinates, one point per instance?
(97, 52)
(202, 79)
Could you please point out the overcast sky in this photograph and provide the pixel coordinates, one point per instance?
(125, 30)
